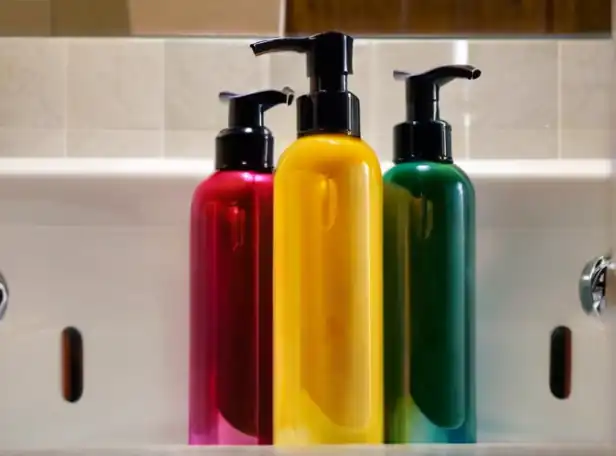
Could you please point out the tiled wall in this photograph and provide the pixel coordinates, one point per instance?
(158, 97)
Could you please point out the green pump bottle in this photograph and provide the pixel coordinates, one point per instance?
(429, 275)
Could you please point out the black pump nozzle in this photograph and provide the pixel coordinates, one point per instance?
(247, 144)
(329, 57)
(424, 135)
(247, 110)
(329, 107)
(422, 90)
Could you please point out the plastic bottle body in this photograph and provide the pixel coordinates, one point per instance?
(231, 310)
(429, 274)
(328, 293)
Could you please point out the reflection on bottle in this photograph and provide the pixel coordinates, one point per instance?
(328, 365)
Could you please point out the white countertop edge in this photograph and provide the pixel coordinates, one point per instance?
(178, 168)
(391, 450)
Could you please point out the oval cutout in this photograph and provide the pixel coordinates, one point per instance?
(72, 364)
(4, 296)
(560, 362)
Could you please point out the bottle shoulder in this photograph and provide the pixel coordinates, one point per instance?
(425, 171)
(227, 185)
(327, 150)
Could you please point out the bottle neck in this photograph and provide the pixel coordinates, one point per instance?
(426, 140)
(428, 110)
(422, 102)
(327, 83)
(245, 149)
(328, 112)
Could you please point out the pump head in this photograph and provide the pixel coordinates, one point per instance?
(247, 144)
(329, 107)
(424, 135)
(423, 89)
(329, 57)
(247, 110)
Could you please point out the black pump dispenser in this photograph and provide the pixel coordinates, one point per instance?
(424, 135)
(329, 107)
(247, 144)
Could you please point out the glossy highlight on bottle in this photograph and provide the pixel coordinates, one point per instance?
(429, 278)
(327, 354)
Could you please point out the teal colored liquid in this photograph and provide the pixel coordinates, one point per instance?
(429, 280)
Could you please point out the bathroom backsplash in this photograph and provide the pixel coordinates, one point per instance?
(123, 97)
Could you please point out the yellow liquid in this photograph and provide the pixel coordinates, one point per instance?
(328, 385)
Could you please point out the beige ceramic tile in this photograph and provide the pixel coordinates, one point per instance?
(25, 18)
(115, 143)
(587, 71)
(414, 56)
(586, 143)
(115, 84)
(514, 105)
(197, 70)
(586, 75)
(519, 84)
(32, 142)
(289, 69)
(190, 143)
(32, 82)
(199, 17)
(498, 143)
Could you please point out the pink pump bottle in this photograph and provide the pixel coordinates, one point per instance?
(231, 282)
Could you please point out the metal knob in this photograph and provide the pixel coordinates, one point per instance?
(4, 296)
(594, 284)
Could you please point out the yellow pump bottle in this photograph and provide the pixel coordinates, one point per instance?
(328, 373)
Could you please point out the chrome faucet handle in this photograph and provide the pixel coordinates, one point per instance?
(4, 296)
(596, 283)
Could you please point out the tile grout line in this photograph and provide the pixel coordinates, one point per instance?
(163, 134)
(461, 50)
(282, 17)
(373, 95)
(467, 135)
(66, 97)
(559, 130)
